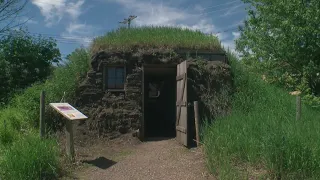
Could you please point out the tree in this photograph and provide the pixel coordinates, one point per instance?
(24, 60)
(281, 39)
(9, 13)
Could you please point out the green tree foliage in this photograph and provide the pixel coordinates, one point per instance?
(281, 39)
(24, 60)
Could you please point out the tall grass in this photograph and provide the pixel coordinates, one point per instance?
(161, 37)
(27, 157)
(261, 136)
(30, 158)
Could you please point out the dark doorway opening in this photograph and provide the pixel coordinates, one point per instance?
(159, 101)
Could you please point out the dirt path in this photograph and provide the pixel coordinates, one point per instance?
(159, 159)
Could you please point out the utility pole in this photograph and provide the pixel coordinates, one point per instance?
(128, 20)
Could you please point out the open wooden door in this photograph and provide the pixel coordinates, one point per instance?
(181, 104)
(142, 120)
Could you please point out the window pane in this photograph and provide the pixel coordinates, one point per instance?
(111, 72)
(119, 83)
(111, 83)
(119, 72)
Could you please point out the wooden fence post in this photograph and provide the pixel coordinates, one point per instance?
(196, 117)
(298, 107)
(42, 112)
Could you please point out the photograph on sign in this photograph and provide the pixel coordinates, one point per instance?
(68, 111)
(65, 108)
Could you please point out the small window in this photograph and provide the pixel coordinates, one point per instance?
(114, 78)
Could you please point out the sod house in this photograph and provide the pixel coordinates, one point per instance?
(145, 80)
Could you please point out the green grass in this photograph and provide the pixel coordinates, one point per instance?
(27, 157)
(155, 37)
(30, 158)
(262, 134)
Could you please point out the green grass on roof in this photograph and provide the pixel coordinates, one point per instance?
(155, 37)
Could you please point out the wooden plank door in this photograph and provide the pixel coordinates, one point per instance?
(181, 104)
(142, 120)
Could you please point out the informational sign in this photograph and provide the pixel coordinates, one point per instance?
(68, 111)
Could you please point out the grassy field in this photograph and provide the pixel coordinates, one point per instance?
(261, 137)
(157, 37)
(23, 154)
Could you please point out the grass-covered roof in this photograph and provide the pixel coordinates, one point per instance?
(155, 37)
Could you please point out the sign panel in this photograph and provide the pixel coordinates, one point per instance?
(68, 111)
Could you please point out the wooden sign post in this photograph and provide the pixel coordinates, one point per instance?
(70, 113)
(298, 107)
(42, 112)
(69, 139)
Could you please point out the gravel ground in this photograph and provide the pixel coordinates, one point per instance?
(162, 159)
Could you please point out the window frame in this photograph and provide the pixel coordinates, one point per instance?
(105, 77)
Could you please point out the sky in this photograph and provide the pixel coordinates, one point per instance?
(73, 23)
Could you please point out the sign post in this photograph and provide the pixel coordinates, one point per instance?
(71, 114)
(42, 112)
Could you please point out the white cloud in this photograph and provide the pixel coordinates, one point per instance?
(236, 34)
(55, 10)
(230, 43)
(80, 32)
(52, 10)
(231, 10)
(74, 9)
(222, 36)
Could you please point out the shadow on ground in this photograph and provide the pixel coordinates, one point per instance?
(101, 162)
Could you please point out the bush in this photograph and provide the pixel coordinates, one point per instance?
(64, 79)
(30, 158)
(262, 133)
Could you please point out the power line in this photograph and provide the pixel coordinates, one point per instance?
(214, 11)
(128, 20)
(231, 2)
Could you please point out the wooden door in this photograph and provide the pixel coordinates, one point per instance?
(181, 104)
(142, 120)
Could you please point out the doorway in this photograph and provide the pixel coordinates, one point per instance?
(159, 101)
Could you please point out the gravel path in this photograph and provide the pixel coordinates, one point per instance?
(165, 159)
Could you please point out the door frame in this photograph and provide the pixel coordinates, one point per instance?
(142, 131)
(142, 120)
